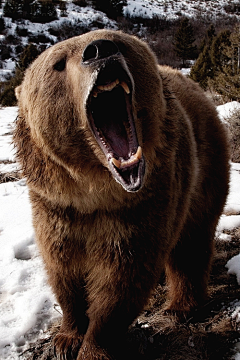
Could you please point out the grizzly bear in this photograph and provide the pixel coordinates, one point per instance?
(127, 166)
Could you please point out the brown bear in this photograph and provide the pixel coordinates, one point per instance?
(127, 166)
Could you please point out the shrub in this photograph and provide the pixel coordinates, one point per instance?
(40, 38)
(13, 40)
(113, 8)
(63, 8)
(68, 29)
(234, 130)
(5, 52)
(164, 51)
(22, 31)
(2, 25)
(19, 49)
(233, 8)
(7, 96)
(81, 3)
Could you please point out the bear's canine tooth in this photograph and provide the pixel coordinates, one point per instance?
(116, 162)
(133, 160)
(139, 153)
(125, 87)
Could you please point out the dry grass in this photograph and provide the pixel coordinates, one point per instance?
(9, 176)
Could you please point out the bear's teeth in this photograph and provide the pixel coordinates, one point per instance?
(125, 87)
(108, 87)
(126, 163)
(139, 153)
(116, 162)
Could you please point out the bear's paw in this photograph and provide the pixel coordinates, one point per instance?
(66, 346)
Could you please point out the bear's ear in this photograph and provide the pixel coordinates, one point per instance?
(18, 91)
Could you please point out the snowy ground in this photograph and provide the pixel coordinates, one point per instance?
(27, 305)
(173, 9)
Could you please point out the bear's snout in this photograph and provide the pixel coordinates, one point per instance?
(99, 49)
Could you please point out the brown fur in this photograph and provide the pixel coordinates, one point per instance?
(104, 247)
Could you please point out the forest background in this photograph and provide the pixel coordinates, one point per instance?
(209, 44)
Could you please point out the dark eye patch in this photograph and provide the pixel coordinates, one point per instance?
(60, 65)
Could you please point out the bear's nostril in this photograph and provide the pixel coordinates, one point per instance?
(99, 49)
(90, 53)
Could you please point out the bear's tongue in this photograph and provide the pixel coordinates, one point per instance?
(110, 119)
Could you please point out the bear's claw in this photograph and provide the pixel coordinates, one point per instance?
(66, 347)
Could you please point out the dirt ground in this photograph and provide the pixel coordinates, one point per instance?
(210, 334)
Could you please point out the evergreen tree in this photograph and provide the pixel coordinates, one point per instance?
(26, 9)
(113, 8)
(218, 55)
(227, 81)
(43, 11)
(203, 69)
(13, 9)
(183, 41)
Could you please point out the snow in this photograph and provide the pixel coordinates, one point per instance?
(173, 9)
(233, 266)
(86, 16)
(26, 301)
(186, 71)
(6, 127)
(226, 110)
(27, 304)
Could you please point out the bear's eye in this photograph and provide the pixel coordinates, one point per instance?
(60, 65)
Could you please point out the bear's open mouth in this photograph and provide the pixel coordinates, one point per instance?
(111, 119)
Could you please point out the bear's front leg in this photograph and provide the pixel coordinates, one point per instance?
(108, 323)
(68, 340)
(117, 294)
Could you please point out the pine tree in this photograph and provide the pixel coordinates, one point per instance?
(13, 9)
(43, 11)
(203, 69)
(183, 41)
(26, 9)
(227, 81)
(218, 55)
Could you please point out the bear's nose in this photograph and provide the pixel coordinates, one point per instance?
(99, 49)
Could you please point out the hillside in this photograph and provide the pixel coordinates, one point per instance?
(153, 20)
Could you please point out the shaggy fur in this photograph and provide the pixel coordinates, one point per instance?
(105, 243)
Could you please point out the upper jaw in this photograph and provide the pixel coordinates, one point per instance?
(111, 119)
